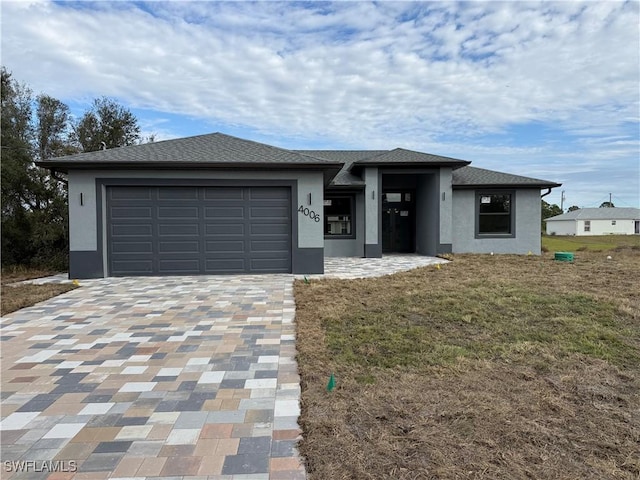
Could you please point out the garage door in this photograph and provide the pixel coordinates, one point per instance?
(198, 230)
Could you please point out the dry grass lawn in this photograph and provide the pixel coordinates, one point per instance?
(15, 297)
(497, 367)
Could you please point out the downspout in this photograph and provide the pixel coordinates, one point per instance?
(545, 194)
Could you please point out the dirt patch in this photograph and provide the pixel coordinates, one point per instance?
(15, 297)
(490, 367)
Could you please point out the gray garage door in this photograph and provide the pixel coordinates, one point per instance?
(198, 230)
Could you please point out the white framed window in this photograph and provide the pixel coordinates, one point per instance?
(613, 222)
(587, 225)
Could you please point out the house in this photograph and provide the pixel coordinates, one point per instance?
(213, 204)
(596, 221)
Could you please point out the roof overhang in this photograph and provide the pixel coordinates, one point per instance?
(329, 169)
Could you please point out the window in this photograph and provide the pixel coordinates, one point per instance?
(338, 217)
(613, 222)
(495, 214)
(587, 225)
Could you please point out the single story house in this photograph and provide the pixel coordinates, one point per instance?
(214, 204)
(596, 221)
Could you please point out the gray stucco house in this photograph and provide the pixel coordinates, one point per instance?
(213, 204)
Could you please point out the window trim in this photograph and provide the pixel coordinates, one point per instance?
(587, 225)
(512, 213)
(352, 201)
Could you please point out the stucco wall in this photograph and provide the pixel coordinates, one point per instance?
(349, 247)
(560, 227)
(604, 227)
(527, 220)
(446, 207)
(372, 205)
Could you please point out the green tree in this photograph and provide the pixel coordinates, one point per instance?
(107, 122)
(573, 207)
(607, 205)
(34, 205)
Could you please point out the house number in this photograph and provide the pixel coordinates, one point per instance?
(309, 213)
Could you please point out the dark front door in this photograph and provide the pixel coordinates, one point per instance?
(398, 222)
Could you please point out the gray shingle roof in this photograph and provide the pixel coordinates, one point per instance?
(202, 150)
(480, 177)
(616, 213)
(400, 156)
(344, 178)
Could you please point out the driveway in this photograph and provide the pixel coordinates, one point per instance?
(173, 377)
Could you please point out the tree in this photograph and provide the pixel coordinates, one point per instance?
(607, 205)
(573, 207)
(34, 205)
(53, 135)
(107, 122)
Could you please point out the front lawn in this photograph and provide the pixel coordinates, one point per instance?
(572, 243)
(16, 296)
(489, 367)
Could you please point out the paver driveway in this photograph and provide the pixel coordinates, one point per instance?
(175, 377)
(179, 377)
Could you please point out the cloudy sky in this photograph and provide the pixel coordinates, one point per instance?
(549, 90)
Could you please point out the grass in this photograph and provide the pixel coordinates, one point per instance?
(490, 367)
(15, 297)
(570, 243)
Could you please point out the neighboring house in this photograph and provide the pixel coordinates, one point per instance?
(215, 204)
(596, 221)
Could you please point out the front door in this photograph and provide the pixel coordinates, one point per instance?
(398, 221)
(637, 227)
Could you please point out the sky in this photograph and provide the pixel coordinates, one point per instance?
(548, 90)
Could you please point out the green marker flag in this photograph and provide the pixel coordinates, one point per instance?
(332, 383)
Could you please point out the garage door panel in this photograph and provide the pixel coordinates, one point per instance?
(224, 229)
(130, 193)
(135, 267)
(126, 230)
(269, 212)
(131, 212)
(236, 246)
(223, 212)
(181, 229)
(179, 266)
(178, 247)
(265, 245)
(178, 212)
(270, 229)
(225, 194)
(132, 247)
(178, 193)
(196, 230)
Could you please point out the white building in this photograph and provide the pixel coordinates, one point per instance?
(596, 221)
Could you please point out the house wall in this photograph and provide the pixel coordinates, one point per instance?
(349, 247)
(445, 199)
(604, 227)
(560, 227)
(87, 221)
(372, 216)
(527, 225)
(427, 214)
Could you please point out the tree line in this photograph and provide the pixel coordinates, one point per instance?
(34, 203)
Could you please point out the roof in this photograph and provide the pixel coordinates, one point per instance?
(472, 177)
(341, 167)
(344, 178)
(615, 213)
(215, 149)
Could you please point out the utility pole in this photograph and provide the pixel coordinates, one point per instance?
(562, 201)
(610, 200)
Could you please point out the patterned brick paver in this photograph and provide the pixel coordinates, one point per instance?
(159, 378)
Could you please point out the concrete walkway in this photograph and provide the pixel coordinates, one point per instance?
(159, 378)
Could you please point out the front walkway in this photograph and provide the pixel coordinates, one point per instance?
(159, 378)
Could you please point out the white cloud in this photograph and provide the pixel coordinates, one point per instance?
(421, 75)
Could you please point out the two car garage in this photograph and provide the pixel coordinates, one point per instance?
(190, 230)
